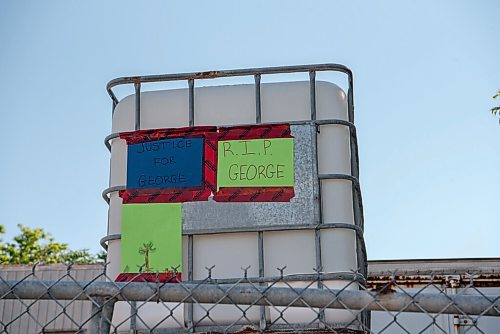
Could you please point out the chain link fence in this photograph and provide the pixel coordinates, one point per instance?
(83, 299)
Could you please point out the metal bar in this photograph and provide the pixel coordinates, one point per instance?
(190, 257)
(261, 253)
(341, 225)
(113, 106)
(224, 74)
(312, 90)
(109, 190)
(334, 122)
(253, 295)
(315, 130)
(109, 238)
(290, 278)
(191, 102)
(133, 316)
(190, 323)
(319, 263)
(317, 232)
(303, 122)
(357, 202)
(137, 86)
(258, 101)
(108, 139)
(356, 189)
(350, 98)
(351, 178)
(319, 226)
(114, 99)
(355, 166)
(317, 122)
(260, 234)
(338, 177)
(260, 246)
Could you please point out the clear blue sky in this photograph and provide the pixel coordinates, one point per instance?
(425, 72)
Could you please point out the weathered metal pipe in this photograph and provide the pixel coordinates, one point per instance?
(255, 295)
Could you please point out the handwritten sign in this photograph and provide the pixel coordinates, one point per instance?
(167, 163)
(151, 238)
(256, 163)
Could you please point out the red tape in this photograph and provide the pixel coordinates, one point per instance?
(261, 131)
(169, 277)
(254, 194)
(142, 136)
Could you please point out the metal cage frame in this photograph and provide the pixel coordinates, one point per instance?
(257, 74)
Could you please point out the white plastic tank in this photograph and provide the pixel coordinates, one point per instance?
(229, 252)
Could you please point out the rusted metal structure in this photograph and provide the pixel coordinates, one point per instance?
(450, 278)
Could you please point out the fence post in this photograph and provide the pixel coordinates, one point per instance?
(107, 315)
(95, 316)
(101, 315)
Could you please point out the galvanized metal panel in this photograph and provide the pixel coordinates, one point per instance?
(35, 309)
(17, 306)
(303, 209)
(45, 311)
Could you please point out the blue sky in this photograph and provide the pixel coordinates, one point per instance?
(424, 75)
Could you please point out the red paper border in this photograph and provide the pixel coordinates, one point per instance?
(142, 136)
(169, 277)
(259, 131)
(254, 194)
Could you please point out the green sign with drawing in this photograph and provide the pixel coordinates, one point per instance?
(151, 238)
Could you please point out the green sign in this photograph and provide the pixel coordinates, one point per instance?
(151, 238)
(255, 163)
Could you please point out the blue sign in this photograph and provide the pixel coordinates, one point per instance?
(167, 163)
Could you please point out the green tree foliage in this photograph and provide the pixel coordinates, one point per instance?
(37, 246)
(496, 110)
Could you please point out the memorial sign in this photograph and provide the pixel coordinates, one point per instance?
(167, 163)
(151, 242)
(255, 163)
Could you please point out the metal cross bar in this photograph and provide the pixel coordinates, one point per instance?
(255, 295)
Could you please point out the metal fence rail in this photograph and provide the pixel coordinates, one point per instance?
(93, 306)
